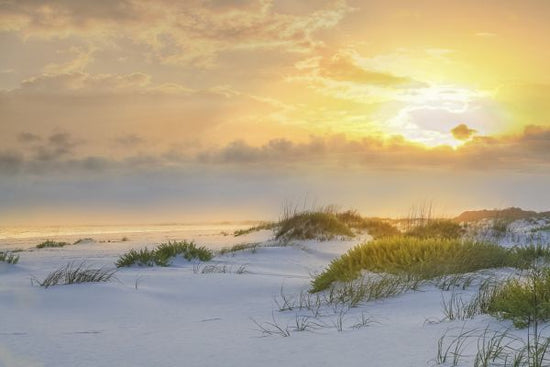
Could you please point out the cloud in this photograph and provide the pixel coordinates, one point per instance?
(85, 82)
(82, 57)
(462, 132)
(10, 162)
(129, 140)
(344, 66)
(26, 137)
(528, 151)
(59, 145)
(191, 32)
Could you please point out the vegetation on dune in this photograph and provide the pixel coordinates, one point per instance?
(327, 223)
(437, 228)
(322, 225)
(424, 258)
(76, 273)
(164, 254)
(9, 257)
(51, 243)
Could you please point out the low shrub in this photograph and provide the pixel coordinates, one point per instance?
(524, 256)
(51, 243)
(523, 301)
(9, 257)
(164, 254)
(76, 273)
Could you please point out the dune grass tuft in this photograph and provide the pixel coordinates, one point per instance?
(76, 273)
(164, 254)
(421, 258)
(9, 257)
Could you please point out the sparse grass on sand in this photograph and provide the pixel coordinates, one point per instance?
(9, 257)
(76, 273)
(259, 227)
(51, 243)
(253, 246)
(83, 240)
(164, 254)
(424, 259)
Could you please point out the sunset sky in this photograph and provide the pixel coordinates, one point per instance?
(165, 111)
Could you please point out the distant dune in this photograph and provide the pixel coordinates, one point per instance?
(508, 213)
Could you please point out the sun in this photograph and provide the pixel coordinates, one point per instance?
(428, 115)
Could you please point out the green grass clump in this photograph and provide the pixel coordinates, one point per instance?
(164, 254)
(322, 225)
(188, 250)
(523, 301)
(437, 228)
(9, 257)
(76, 273)
(141, 257)
(50, 243)
(420, 258)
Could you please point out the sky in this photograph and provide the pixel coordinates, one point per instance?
(139, 111)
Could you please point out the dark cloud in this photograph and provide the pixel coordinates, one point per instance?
(59, 145)
(529, 150)
(462, 132)
(129, 140)
(26, 137)
(10, 162)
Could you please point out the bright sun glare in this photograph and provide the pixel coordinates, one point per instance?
(428, 115)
